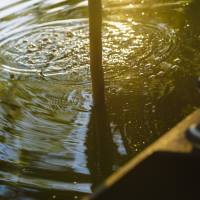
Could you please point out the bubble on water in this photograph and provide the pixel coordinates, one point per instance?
(153, 111)
(60, 45)
(25, 41)
(177, 60)
(148, 104)
(152, 76)
(160, 73)
(32, 48)
(174, 67)
(148, 65)
(45, 39)
(49, 41)
(128, 77)
(165, 65)
(130, 50)
(31, 61)
(69, 34)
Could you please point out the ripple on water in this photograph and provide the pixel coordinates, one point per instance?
(54, 49)
(48, 125)
(48, 50)
(42, 133)
(134, 49)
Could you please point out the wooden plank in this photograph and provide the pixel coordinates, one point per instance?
(174, 146)
(172, 141)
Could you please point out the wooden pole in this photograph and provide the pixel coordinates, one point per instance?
(95, 27)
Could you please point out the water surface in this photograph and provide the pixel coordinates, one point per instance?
(151, 64)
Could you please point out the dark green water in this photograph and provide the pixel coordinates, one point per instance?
(151, 56)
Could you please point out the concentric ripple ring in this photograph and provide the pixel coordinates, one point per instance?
(62, 48)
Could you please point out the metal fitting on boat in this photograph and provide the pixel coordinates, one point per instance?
(193, 135)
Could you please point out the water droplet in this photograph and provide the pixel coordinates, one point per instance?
(31, 62)
(49, 41)
(31, 48)
(174, 67)
(24, 41)
(165, 65)
(56, 34)
(160, 73)
(177, 60)
(51, 55)
(148, 104)
(69, 34)
(152, 76)
(135, 67)
(12, 76)
(148, 65)
(45, 39)
(54, 50)
(60, 44)
(128, 78)
(157, 58)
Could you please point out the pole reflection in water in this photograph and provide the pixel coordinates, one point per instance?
(99, 146)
